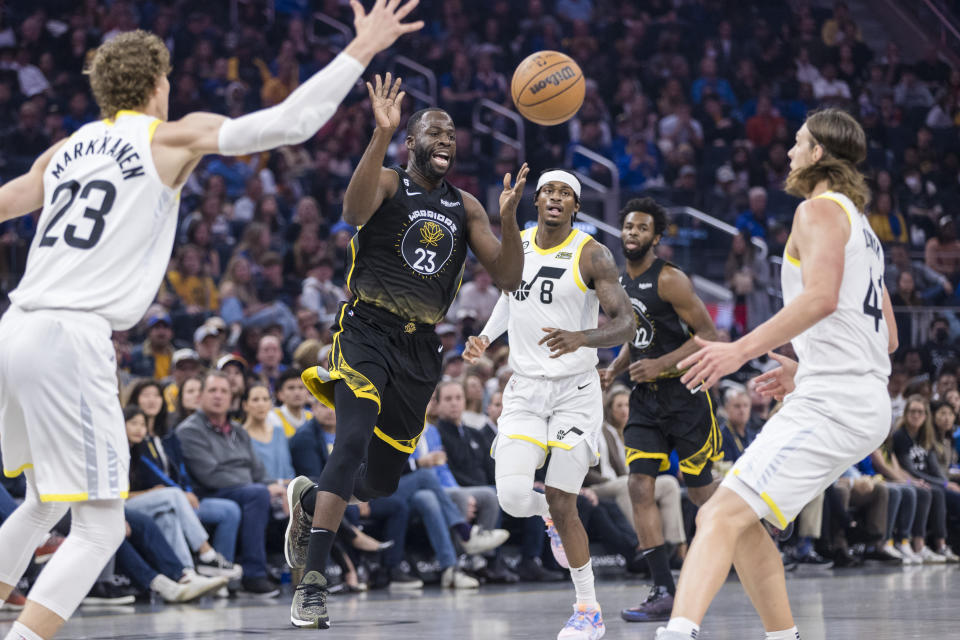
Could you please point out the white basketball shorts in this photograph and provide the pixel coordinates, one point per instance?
(59, 409)
(556, 414)
(826, 425)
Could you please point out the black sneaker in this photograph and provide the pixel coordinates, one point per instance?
(400, 578)
(814, 560)
(260, 587)
(298, 527)
(532, 570)
(846, 559)
(656, 607)
(309, 607)
(106, 593)
(219, 567)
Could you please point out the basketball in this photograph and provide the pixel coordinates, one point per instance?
(548, 87)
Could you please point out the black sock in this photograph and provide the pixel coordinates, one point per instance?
(321, 541)
(309, 500)
(659, 564)
(463, 530)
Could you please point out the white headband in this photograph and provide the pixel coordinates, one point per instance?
(557, 175)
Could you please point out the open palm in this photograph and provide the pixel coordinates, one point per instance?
(510, 196)
(386, 98)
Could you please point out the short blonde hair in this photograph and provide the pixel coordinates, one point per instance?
(125, 71)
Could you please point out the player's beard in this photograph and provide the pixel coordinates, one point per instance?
(636, 254)
(422, 156)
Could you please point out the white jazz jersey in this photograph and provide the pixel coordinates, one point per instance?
(851, 341)
(107, 227)
(552, 294)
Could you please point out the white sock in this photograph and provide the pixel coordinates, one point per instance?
(208, 556)
(683, 625)
(583, 582)
(786, 634)
(21, 632)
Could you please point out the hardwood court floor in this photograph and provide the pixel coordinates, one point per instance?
(874, 603)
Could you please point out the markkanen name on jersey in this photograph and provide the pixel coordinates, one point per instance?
(433, 215)
(119, 150)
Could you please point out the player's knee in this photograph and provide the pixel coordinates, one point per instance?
(563, 505)
(514, 495)
(642, 489)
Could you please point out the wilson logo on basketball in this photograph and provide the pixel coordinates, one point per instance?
(554, 78)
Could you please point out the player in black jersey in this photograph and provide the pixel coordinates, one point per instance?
(406, 266)
(663, 414)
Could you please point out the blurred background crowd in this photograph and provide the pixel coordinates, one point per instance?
(694, 102)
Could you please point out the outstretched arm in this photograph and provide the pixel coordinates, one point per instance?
(820, 231)
(24, 194)
(302, 113)
(503, 258)
(597, 266)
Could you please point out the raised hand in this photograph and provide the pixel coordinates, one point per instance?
(778, 382)
(386, 100)
(510, 197)
(381, 27)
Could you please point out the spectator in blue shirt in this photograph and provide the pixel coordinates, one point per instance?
(709, 82)
(754, 219)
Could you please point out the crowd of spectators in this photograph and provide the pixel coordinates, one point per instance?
(695, 104)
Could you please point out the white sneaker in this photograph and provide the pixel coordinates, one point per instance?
(663, 634)
(909, 555)
(586, 623)
(456, 579)
(948, 553)
(929, 556)
(482, 540)
(891, 551)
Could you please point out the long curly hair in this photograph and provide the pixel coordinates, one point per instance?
(844, 147)
(125, 71)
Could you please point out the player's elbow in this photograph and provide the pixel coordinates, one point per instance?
(508, 283)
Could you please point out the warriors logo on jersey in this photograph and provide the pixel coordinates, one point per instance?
(427, 242)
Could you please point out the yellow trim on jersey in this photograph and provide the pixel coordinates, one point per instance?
(358, 383)
(126, 112)
(527, 439)
(577, 276)
(18, 470)
(830, 196)
(71, 497)
(781, 520)
(636, 454)
(712, 449)
(559, 445)
(404, 446)
(544, 252)
(289, 429)
(353, 261)
(152, 129)
(794, 261)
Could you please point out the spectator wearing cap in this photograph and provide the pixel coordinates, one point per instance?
(722, 202)
(293, 396)
(319, 294)
(186, 364)
(479, 296)
(153, 358)
(942, 253)
(235, 367)
(208, 342)
(269, 361)
(221, 461)
(754, 220)
(448, 338)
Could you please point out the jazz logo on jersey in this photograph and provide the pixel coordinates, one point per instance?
(644, 334)
(562, 433)
(546, 275)
(428, 242)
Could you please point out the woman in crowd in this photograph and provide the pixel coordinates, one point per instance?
(913, 444)
(187, 402)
